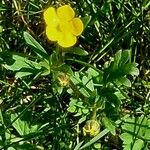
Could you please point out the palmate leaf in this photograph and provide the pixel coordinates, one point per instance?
(119, 68)
(111, 102)
(23, 66)
(134, 125)
(126, 138)
(22, 127)
(20, 62)
(138, 127)
(110, 97)
(139, 144)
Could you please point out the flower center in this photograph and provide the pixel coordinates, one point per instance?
(58, 28)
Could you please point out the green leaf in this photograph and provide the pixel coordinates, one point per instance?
(78, 114)
(39, 50)
(97, 145)
(146, 84)
(65, 69)
(54, 59)
(127, 147)
(84, 92)
(88, 83)
(85, 110)
(22, 74)
(117, 59)
(126, 138)
(119, 68)
(139, 144)
(133, 126)
(21, 126)
(125, 57)
(11, 148)
(77, 51)
(73, 101)
(119, 95)
(130, 68)
(24, 67)
(79, 104)
(92, 72)
(72, 109)
(86, 20)
(112, 99)
(96, 138)
(78, 146)
(109, 125)
(46, 66)
(106, 7)
(125, 81)
(22, 62)
(81, 120)
(97, 77)
(147, 130)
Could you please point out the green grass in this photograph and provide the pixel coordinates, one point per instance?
(108, 71)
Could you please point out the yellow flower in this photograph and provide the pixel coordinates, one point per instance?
(91, 128)
(62, 25)
(63, 79)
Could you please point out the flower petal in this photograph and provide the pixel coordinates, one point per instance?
(51, 17)
(52, 33)
(65, 13)
(67, 39)
(76, 26)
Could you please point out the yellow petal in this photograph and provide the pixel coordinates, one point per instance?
(51, 17)
(65, 13)
(67, 39)
(52, 33)
(76, 26)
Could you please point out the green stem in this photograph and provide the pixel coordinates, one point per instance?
(86, 64)
(77, 92)
(4, 142)
(94, 112)
(59, 52)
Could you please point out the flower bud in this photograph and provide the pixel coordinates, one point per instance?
(63, 79)
(91, 128)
